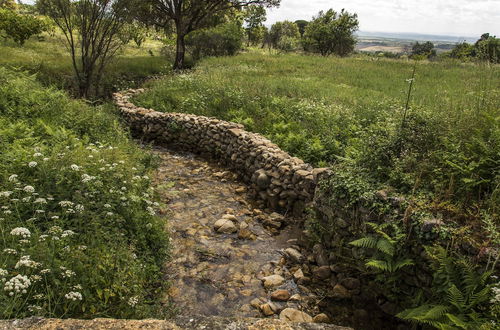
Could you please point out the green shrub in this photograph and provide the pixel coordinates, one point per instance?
(223, 40)
(80, 237)
(20, 27)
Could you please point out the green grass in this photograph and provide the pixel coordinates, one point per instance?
(349, 111)
(49, 59)
(77, 224)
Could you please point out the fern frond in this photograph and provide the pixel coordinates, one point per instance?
(385, 246)
(432, 315)
(379, 265)
(456, 298)
(365, 242)
(457, 321)
(479, 297)
(403, 263)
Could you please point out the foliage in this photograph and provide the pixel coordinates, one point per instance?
(255, 16)
(461, 295)
(342, 111)
(134, 31)
(389, 256)
(462, 51)
(53, 66)
(8, 4)
(488, 48)
(79, 234)
(301, 24)
(284, 36)
(189, 16)
(423, 50)
(91, 29)
(20, 27)
(222, 40)
(332, 33)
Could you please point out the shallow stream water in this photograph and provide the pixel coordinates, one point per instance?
(213, 273)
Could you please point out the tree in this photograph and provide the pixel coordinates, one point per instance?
(332, 33)
(91, 29)
(284, 35)
(19, 27)
(191, 15)
(8, 4)
(302, 24)
(255, 16)
(462, 51)
(487, 48)
(424, 50)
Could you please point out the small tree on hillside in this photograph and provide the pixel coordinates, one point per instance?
(424, 50)
(255, 16)
(190, 15)
(487, 48)
(302, 24)
(91, 29)
(462, 51)
(332, 33)
(284, 36)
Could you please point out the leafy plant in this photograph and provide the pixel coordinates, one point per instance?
(387, 258)
(20, 27)
(460, 294)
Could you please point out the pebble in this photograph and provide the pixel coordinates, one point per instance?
(280, 295)
(273, 281)
(225, 226)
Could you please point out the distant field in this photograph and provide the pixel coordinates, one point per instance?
(332, 110)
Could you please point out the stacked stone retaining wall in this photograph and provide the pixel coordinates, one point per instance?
(284, 182)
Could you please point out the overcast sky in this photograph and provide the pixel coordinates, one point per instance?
(450, 17)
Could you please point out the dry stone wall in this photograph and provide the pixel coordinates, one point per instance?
(284, 182)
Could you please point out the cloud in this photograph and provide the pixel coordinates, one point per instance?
(455, 17)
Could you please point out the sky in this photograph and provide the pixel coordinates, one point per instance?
(467, 18)
(461, 18)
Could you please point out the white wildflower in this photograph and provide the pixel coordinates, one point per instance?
(9, 251)
(73, 295)
(66, 204)
(29, 189)
(54, 230)
(40, 201)
(32, 164)
(17, 284)
(55, 217)
(5, 193)
(21, 231)
(67, 233)
(42, 238)
(133, 301)
(13, 178)
(45, 271)
(107, 206)
(35, 278)
(109, 214)
(151, 210)
(75, 167)
(26, 199)
(79, 208)
(45, 159)
(3, 272)
(87, 178)
(67, 273)
(37, 154)
(26, 261)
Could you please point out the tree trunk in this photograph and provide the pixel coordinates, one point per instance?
(181, 51)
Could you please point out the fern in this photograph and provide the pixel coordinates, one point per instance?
(365, 242)
(466, 289)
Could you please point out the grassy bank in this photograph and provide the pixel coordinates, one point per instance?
(49, 59)
(78, 233)
(348, 112)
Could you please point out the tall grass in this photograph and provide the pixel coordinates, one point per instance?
(78, 231)
(337, 110)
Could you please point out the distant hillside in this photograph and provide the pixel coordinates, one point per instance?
(417, 36)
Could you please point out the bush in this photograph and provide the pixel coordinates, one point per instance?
(223, 40)
(20, 27)
(80, 238)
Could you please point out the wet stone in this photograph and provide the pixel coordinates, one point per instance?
(211, 272)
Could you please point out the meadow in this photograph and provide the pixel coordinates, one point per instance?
(350, 113)
(48, 58)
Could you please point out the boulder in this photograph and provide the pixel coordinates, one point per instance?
(225, 226)
(295, 316)
(280, 295)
